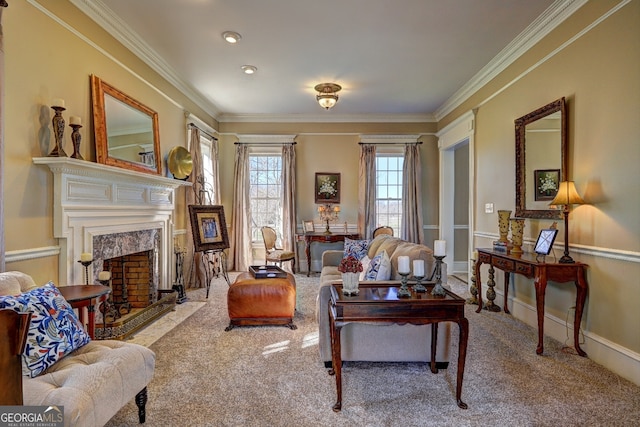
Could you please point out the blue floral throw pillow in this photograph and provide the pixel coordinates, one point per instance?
(356, 248)
(54, 330)
(379, 267)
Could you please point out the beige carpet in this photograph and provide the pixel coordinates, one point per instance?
(272, 376)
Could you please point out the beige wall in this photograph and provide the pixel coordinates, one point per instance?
(598, 74)
(45, 60)
(332, 147)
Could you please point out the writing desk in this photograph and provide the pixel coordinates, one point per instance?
(309, 238)
(526, 264)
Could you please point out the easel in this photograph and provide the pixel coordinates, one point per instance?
(214, 261)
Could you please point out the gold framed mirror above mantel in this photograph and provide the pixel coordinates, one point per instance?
(126, 131)
(541, 160)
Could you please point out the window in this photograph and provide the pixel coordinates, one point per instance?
(207, 168)
(265, 192)
(389, 190)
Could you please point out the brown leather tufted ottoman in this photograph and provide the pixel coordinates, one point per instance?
(252, 301)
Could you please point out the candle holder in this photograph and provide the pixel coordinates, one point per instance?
(86, 265)
(76, 138)
(328, 214)
(109, 312)
(419, 287)
(404, 291)
(58, 132)
(438, 290)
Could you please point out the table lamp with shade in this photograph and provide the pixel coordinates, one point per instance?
(567, 195)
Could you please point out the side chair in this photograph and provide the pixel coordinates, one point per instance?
(383, 230)
(273, 253)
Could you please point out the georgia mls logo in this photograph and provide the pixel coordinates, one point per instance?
(31, 416)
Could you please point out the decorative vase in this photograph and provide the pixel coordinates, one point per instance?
(503, 224)
(517, 227)
(350, 282)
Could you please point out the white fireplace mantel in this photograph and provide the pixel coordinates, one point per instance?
(91, 199)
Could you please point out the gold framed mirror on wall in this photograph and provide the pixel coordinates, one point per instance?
(541, 160)
(126, 131)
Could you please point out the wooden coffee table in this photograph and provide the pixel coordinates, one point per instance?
(378, 302)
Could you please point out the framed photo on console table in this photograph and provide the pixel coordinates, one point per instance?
(209, 227)
(545, 241)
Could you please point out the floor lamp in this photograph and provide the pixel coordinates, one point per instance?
(566, 196)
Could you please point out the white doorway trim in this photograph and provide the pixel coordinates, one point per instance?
(460, 131)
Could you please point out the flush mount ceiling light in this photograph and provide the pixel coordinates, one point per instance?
(231, 37)
(327, 94)
(249, 69)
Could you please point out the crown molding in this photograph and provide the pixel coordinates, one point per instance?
(553, 16)
(111, 23)
(324, 118)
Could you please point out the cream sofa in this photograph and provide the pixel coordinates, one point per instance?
(93, 382)
(381, 342)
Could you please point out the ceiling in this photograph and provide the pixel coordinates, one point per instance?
(411, 60)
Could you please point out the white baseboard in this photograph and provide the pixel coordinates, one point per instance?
(612, 356)
(460, 267)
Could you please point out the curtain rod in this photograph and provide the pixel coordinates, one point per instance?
(390, 143)
(203, 131)
(266, 144)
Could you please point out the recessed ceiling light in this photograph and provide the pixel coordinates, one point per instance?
(231, 37)
(249, 69)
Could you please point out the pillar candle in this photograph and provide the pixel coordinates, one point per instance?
(57, 103)
(86, 257)
(418, 268)
(75, 120)
(403, 264)
(104, 275)
(440, 248)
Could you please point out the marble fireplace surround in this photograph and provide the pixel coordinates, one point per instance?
(91, 201)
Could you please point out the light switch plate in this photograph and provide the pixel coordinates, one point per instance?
(488, 208)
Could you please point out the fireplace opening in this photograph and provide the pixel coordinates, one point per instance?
(135, 300)
(131, 284)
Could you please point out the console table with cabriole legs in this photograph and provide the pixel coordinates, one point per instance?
(309, 238)
(526, 264)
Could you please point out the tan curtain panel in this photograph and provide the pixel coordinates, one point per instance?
(412, 196)
(240, 252)
(195, 276)
(367, 191)
(289, 198)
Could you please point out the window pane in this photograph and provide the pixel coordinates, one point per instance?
(389, 190)
(265, 193)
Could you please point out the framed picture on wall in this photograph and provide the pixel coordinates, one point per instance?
(209, 227)
(327, 187)
(547, 182)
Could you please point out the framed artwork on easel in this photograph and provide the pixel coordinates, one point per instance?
(209, 227)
